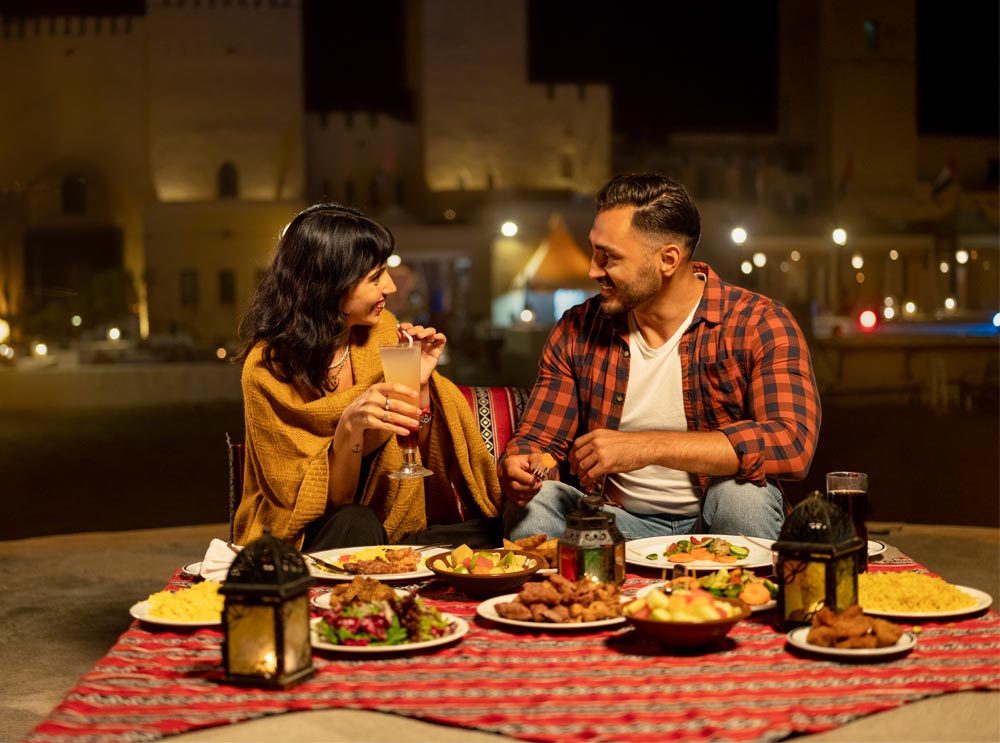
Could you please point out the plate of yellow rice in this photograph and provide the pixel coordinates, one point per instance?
(197, 606)
(910, 595)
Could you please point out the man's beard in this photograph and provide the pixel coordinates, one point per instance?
(627, 298)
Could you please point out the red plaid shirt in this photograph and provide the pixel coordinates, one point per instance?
(748, 375)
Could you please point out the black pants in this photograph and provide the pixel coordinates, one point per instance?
(350, 525)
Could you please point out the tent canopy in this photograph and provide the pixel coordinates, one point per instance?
(557, 263)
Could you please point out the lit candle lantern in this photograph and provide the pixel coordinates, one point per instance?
(266, 616)
(816, 561)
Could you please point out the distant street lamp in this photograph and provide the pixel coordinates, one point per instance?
(739, 235)
(759, 260)
(508, 229)
(839, 236)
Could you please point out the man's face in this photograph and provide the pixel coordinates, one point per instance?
(623, 262)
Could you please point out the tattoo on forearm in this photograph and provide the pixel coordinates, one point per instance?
(356, 448)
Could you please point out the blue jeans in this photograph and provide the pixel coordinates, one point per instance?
(729, 507)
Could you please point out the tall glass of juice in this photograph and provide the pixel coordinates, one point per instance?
(401, 365)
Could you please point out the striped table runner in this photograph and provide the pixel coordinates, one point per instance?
(540, 686)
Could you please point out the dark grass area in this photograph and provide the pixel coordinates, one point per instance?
(78, 471)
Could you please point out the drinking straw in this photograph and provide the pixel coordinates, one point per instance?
(408, 336)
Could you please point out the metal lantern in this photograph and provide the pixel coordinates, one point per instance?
(592, 546)
(266, 616)
(817, 561)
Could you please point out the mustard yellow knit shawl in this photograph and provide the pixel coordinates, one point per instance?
(288, 437)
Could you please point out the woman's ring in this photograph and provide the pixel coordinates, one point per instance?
(386, 406)
(385, 417)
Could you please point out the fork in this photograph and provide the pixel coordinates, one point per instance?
(542, 473)
(769, 547)
(323, 563)
(426, 547)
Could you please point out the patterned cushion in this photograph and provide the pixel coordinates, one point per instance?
(497, 409)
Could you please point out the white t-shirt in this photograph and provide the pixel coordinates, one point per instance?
(655, 402)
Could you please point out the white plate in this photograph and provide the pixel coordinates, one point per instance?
(487, 610)
(140, 611)
(323, 600)
(192, 569)
(797, 638)
(753, 608)
(459, 626)
(637, 549)
(875, 547)
(333, 555)
(983, 600)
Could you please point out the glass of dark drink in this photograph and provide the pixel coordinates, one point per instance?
(849, 490)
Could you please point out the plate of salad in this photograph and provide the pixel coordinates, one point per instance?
(402, 624)
(697, 552)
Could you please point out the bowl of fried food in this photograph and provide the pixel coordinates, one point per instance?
(484, 573)
(688, 619)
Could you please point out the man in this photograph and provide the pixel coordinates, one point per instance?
(683, 396)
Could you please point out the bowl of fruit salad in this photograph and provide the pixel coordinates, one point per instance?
(684, 619)
(484, 573)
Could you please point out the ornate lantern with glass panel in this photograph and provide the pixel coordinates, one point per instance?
(266, 616)
(816, 562)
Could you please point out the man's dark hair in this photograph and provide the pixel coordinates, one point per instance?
(663, 207)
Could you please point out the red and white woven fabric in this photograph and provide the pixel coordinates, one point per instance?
(538, 686)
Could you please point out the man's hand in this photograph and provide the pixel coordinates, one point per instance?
(604, 452)
(516, 481)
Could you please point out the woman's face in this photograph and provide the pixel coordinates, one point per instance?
(366, 299)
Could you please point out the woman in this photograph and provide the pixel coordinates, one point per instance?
(320, 427)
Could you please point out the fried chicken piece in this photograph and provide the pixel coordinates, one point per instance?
(362, 589)
(887, 633)
(544, 592)
(851, 629)
(851, 622)
(538, 612)
(515, 610)
(565, 587)
(556, 614)
(822, 635)
(861, 642)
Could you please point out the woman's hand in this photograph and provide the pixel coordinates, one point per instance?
(431, 342)
(375, 408)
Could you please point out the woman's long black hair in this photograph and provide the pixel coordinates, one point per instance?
(324, 252)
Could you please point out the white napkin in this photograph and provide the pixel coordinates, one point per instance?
(218, 558)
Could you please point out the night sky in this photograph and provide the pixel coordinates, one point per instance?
(672, 66)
